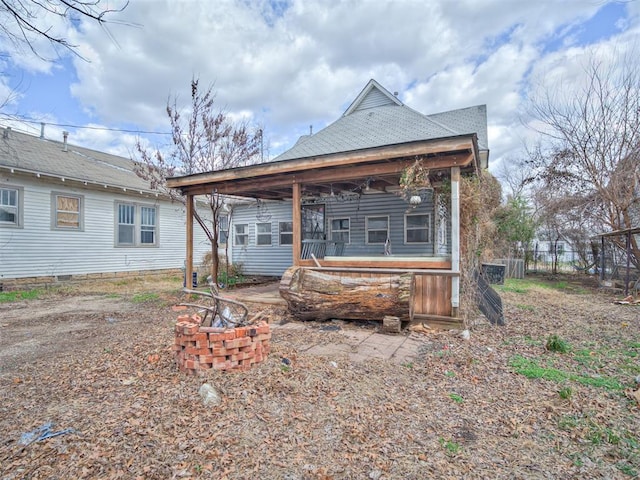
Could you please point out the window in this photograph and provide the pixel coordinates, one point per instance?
(223, 229)
(136, 225)
(417, 228)
(241, 236)
(313, 222)
(126, 224)
(147, 225)
(340, 230)
(377, 229)
(286, 233)
(263, 233)
(67, 211)
(10, 207)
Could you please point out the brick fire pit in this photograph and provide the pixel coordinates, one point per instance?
(198, 349)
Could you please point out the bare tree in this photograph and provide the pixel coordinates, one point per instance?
(23, 22)
(590, 158)
(516, 177)
(205, 139)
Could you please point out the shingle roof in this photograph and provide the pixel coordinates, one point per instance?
(47, 157)
(371, 122)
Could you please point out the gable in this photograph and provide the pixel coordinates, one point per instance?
(377, 118)
(372, 95)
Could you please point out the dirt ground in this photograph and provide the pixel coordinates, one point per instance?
(96, 363)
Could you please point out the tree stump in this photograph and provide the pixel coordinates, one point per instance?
(316, 295)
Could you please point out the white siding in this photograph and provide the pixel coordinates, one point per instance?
(39, 250)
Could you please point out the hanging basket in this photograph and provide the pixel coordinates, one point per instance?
(414, 178)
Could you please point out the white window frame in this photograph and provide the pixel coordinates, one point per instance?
(426, 228)
(259, 234)
(366, 229)
(18, 207)
(223, 229)
(55, 211)
(285, 232)
(137, 225)
(148, 227)
(348, 230)
(244, 234)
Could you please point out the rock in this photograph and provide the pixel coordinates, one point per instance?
(375, 474)
(209, 395)
(465, 335)
(391, 324)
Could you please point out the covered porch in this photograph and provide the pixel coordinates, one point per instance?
(432, 256)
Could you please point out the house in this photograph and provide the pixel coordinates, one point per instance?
(333, 200)
(70, 213)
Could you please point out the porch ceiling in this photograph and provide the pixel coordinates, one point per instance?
(348, 171)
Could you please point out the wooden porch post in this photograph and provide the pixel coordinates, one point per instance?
(297, 224)
(188, 270)
(455, 240)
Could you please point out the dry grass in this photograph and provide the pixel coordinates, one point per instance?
(463, 409)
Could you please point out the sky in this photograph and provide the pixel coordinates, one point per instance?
(286, 65)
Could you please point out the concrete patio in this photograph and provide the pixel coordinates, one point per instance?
(358, 344)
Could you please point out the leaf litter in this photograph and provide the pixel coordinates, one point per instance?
(458, 411)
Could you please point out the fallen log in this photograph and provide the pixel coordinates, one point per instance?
(315, 295)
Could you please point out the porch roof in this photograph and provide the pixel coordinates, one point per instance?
(376, 167)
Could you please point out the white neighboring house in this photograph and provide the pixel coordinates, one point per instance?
(71, 213)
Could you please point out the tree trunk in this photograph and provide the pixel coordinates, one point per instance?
(316, 295)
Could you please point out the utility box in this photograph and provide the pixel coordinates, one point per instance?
(194, 280)
(494, 273)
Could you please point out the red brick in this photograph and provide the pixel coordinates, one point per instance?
(201, 337)
(197, 351)
(241, 332)
(184, 318)
(223, 366)
(205, 358)
(249, 348)
(190, 329)
(241, 356)
(232, 343)
(212, 330)
(190, 364)
(219, 352)
(220, 337)
(219, 344)
(261, 329)
(252, 331)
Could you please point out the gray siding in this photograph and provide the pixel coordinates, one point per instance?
(379, 205)
(255, 259)
(37, 249)
(375, 98)
(276, 258)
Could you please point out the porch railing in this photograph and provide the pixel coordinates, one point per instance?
(321, 248)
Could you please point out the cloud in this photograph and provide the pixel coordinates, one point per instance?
(288, 65)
